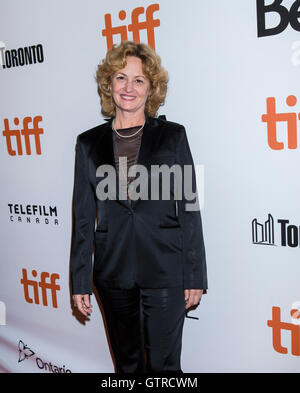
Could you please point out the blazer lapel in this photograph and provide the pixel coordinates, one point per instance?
(103, 153)
(146, 147)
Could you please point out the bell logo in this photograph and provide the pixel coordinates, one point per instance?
(277, 327)
(272, 118)
(43, 285)
(135, 27)
(26, 132)
(285, 17)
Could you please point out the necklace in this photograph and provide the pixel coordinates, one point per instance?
(120, 165)
(126, 136)
(121, 169)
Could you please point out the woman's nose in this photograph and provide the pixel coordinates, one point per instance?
(128, 86)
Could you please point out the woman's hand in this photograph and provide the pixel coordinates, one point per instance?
(192, 297)
(82, 302)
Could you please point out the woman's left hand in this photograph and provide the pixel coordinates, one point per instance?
(192, 297)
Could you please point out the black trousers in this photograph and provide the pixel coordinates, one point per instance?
(145, 328)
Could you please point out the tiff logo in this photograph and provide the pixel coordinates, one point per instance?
(43, 285)
(263, 233)
(26, 132)
(295, 313)
(278, 326)
(135, 27)
(2, 313)
(272, 118)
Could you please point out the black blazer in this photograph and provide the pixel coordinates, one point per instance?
(155, 243)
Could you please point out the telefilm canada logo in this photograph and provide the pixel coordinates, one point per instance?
(26, 352)
(263, 232)
(33, 213)
(19, 57)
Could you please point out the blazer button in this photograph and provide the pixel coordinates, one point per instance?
(129, 213)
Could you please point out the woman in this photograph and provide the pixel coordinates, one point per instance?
(149, 261)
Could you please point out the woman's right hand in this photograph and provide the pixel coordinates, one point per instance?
(82, 302)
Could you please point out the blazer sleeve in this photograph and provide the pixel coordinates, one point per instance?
(195, 271)
(84, 215)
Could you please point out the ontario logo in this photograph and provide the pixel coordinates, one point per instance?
(25, 352)
(263, 233)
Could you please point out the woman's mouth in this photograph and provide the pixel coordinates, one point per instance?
(127, 97)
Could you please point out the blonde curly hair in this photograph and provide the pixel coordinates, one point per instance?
(115, 60)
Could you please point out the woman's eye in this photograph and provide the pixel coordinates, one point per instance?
(139, 81)
(120, 77)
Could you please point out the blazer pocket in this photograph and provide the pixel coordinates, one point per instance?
(172, 236)
(175, 225)
(101, 231)
(102, 228)
(170, 220)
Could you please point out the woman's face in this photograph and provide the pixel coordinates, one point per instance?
(130, 87)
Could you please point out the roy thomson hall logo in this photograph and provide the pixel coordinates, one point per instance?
(278, 15)
(135, 27)
(19, 57)
(26, 352)
(24, 137)
(43, 288)
(263, 233)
